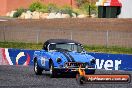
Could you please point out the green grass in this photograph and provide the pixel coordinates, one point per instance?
(112, 49)
(21, 45)
(34, 46)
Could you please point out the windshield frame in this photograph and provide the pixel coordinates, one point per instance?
(66, 43)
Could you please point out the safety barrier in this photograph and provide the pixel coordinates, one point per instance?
(113, 61)
(103, 60)
(0, 56)
(17, 56)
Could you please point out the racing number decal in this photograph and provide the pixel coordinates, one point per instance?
(43, 61)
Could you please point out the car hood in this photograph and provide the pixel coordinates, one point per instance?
(73, 56)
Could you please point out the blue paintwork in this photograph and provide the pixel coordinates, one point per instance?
(78, 57)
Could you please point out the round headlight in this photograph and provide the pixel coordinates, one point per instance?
(92, 61)
(58, 60)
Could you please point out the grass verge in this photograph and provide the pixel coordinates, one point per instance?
(20, 45)
(112, 49)
(34, 46)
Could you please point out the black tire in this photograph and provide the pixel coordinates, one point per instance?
(80, 79)
(52, 71)
(91, 72)
(37, 69)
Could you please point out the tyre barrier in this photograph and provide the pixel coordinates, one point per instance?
(10, 56)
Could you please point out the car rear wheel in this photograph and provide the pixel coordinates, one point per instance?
(37, 69)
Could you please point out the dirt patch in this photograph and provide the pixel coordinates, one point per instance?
(74, 24)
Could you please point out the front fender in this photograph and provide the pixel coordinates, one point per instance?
(45, 58)
(53, 58)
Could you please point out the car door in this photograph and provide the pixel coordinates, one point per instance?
(44, 59)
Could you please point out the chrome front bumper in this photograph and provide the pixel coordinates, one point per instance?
(74, 66)
(64, 69)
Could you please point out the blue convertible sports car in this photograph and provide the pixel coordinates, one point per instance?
(62, 56)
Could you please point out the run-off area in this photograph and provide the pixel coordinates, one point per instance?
(24, 77)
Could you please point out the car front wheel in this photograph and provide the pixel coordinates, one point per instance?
(52, 71)
(90, 71)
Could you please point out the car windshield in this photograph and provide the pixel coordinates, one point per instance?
(68, 47)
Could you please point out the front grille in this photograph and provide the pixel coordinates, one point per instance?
(75, 64)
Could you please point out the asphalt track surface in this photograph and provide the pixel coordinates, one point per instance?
(24, 77)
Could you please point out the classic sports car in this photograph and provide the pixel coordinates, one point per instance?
(62, 56)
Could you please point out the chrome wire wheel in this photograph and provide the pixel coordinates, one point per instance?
(51, 69)
(35, 67)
